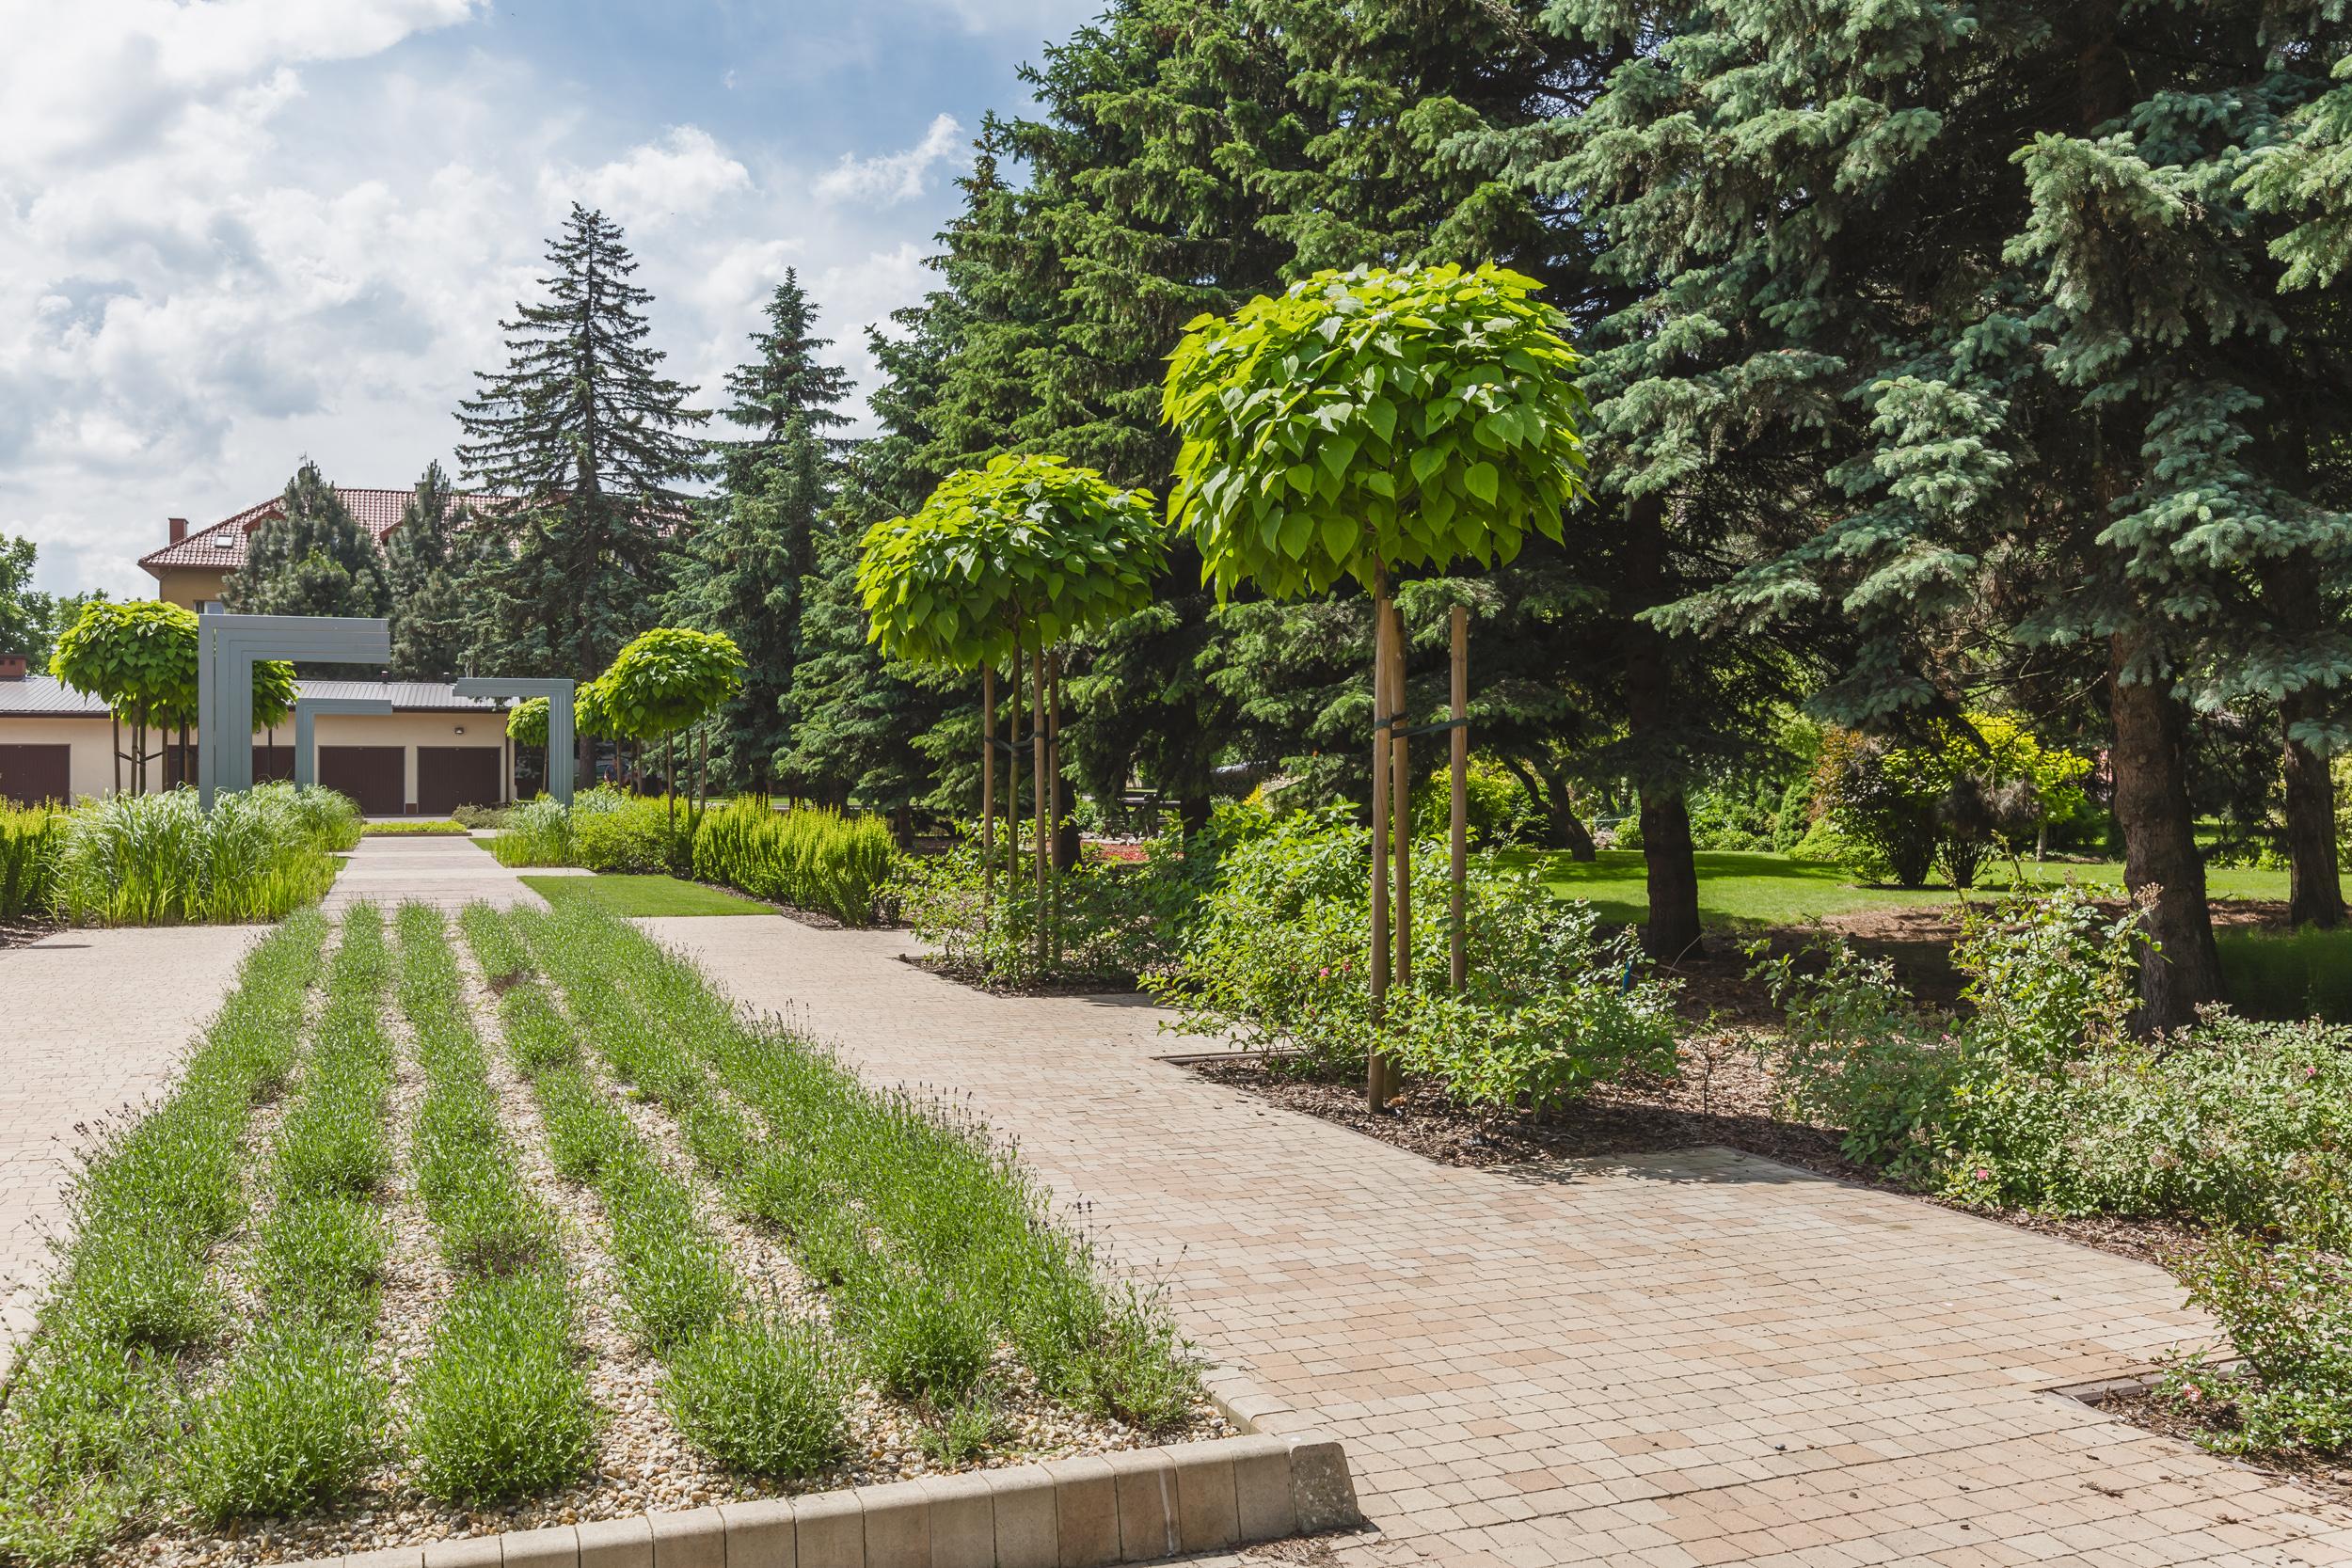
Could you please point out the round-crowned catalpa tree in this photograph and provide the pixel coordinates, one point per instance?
(665, 681)
(1001, 562)
(1363, 426)
(140, 657)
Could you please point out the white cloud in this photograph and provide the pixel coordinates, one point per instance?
(890, 178)
(681, 175)
(235, 234)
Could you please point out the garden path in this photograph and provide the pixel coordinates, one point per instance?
(451, 872)
(1686, 1359)
(91, 1021)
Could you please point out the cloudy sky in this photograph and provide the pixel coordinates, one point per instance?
(236, 231)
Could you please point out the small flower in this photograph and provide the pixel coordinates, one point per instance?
(1984, 1173)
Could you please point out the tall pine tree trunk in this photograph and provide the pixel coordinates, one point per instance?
(2179, 969)
(1673, 931)
(2315, 886)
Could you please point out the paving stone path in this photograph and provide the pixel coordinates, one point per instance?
(1681, 1359)
(91, 1021)
(447, 871)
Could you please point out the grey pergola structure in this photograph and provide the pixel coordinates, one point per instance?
(559, 696)
(306, 710)
(226, 650)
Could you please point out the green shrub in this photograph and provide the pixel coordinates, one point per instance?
(160, 860)
(498, 1405)
(1550, 1007)
(2039, 1097)
(1109, 921)
(761, 1398)
(917, 1334)
(320, 1259)
(808, 857)
(29, 841)
(613, 831)
(2287, 1308)
(292, 1424)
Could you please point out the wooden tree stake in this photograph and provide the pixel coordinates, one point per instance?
(988, 786)
(1037, 742)
(1400, 809)
(1376, 1067)
(1459, 713)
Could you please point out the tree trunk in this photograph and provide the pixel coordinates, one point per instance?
(1457, 760)
(116, 720)
(1562, 829)
(1066, 838)
(988, 786)
(2161, 863)
(1673, 931)
(1037, 789)
(2315, 895)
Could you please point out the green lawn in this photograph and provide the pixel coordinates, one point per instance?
(626, 893)
(1737, 888)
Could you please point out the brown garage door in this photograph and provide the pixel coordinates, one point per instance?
(29, 774)
(371, 775)
(453, 776)
(272, 762)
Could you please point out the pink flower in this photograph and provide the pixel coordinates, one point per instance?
(1983, 1174)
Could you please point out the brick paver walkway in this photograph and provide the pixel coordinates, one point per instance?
(450, 871)
(91, 1021)
(1681, 1359)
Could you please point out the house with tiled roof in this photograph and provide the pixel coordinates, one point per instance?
(191, 566)
(433, 752)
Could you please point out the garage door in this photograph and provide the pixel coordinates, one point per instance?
(372, 775)
(453, 776)
(33, 774)
(272, 762)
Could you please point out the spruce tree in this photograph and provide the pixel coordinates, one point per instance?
(1963, 301)
(310, 558)
(424, 566)
(29, 625)
(742, 569)
(590, 442)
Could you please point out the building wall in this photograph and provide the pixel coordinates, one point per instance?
(191, 586)
(410, 731)
(92, 763)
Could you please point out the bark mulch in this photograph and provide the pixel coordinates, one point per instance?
(2330, 1475)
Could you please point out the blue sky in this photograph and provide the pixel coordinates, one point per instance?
(235, 232)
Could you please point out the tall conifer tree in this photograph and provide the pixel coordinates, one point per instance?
(423, 564)
(311, 557)
(591, 441)
(1963, 298)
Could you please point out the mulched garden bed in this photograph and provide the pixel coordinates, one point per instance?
(1726, 1096)
(24, 933)
(2330, 1475)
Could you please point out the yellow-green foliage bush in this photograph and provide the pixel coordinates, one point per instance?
(28, 859)
(809, 858)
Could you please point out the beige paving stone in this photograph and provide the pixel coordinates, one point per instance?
(92, 1023)
(449, 872)
(1746, 1356)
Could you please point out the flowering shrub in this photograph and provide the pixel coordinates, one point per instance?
(2288, 1311)
(1549, 1009)
(2040, 1098)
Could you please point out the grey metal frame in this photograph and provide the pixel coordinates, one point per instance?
(226, 648)
(306, 710)
(561, 767)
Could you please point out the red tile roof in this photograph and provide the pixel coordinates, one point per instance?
(222, 544)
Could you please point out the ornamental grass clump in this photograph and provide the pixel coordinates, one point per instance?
(809, 857)
(93, 1412)
(163, 860)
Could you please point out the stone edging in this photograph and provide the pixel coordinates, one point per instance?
(1135, 1506)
